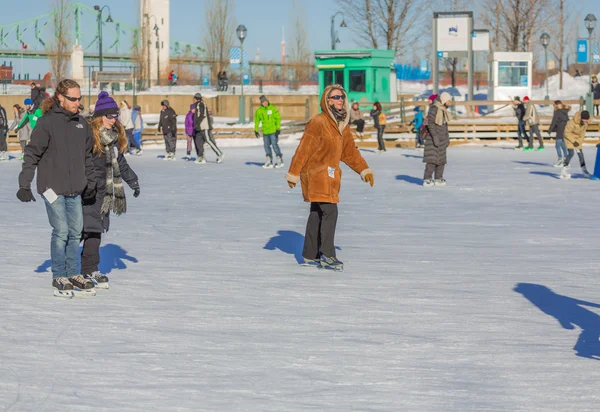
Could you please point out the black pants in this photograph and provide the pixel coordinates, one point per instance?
(320, 230)
(597, 106)
(534, 129)
(380, 142)
(23, 143)
(571, 154)
(90, 254)
(3, 145)
(430, 168)
(132, 141)
(360, 125)
(170, 142)
(199, 139)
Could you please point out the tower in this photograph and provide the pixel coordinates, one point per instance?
(155, 14)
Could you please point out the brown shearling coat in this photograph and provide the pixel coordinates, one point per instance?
(575, 132)
(316, 163)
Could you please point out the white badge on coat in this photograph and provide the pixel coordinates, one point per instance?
(50, 196)
(331, 172)
(269, 112)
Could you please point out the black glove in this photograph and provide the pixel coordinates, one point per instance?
(277, 133)
(25, 195)
(89, 195)
(257, 135)
(136, 192)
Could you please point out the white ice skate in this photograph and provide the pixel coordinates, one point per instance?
(564, 173)
(559, 162)
(200, 160)
(268, 164)
(279, 163)
(428, 183)
(440, 182)
(220, 157)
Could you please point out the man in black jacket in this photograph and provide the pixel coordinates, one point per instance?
(3, 133)
(520, 113)
(37, 96)
(168, 125)
(203, 131)
(61, 151)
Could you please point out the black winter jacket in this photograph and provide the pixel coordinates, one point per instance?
(3, 119)
(559, 122)
(596, 90)
(168, 121)
(520, 111)
(61, 150)
(93, 220)
(201, 113)
(375, 115)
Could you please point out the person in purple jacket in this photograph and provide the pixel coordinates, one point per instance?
(189, 129)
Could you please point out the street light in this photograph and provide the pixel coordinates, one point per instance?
(241, 35)
(545, 39)
(155, 28)
(334, 34)
(108, 20)
(590, 24)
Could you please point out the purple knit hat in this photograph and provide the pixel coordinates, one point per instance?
(192, 106)
(105, 105)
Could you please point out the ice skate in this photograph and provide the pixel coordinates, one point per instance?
(62, 288)
(440, 182)
(268, 164)
(139, 152)
(428, 183)
(541, 148)
(315, 263)
(519, 147)
(279, 163)
(564, 173)
(100, 280)
(82, 286)
(585, 172)
(167, 156)
(528, 149)
(559, 162)
(331, 263)
(220, 157)
(172, 157)
(200, 160)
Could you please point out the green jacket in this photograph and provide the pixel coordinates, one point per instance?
(30, 118)
(269, 117)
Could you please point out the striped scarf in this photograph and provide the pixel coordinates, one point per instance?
(114, 197)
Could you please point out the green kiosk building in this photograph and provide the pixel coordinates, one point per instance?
(366, 75)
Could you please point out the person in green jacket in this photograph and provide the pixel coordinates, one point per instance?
(32, 115)
(269, 117)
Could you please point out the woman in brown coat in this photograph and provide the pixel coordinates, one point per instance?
(574, 137)
(327, 140)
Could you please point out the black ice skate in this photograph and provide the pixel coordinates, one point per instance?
(82, 286)
(331, 263)
(62, 288)
(100, 280)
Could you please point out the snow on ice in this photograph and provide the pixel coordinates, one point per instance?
(480, 296)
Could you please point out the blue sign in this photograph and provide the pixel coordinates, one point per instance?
(205, 81)
(440, 54)
(582, 51)
(424, 65)
(246, 79)
(524, 79)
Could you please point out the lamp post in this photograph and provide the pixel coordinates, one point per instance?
(155, 28)
(241, 35)
(334, 34)
(545, 39)
(108, 20)
(590, 24)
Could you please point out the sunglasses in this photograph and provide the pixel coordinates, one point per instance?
(338, 97)
(72, 99)
(112, 116)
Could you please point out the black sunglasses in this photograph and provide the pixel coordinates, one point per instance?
(112, 116)
(338, 97)
(72, 99)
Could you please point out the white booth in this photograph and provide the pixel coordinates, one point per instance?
(509, 75)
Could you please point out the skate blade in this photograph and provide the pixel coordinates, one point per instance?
(267, 167)
(84, 293)
(279, 166)
(332, 268)
(310, 265)
(68, 294)
(103, 285)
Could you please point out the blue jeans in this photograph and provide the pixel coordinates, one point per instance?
(561, 148)
(66, 218)
(271, 139)
(522, 133)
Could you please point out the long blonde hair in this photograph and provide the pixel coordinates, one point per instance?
(122, 141)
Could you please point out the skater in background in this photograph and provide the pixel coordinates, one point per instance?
(574, 136)
(125, 119)
(533, 119)
(436, 141)
(32, 115)
(357, 119)
(521, 132)
(138, 127)
(379, 121)
(267, 116)
(211, 138)
(559, 122)
(327, 140)
(3, 133)
(596, 91)
(167, 124)
(37, 96)
(225, 80)
(189, 129)
(172, 78)
(61, 151)
(202, 130)
(110, 145)
(219, 81)
(417, 121)
(24, 132)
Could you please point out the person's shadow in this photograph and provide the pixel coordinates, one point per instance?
(569, 312)
(254, 164)
(410, 179)
(111, 257)
(289, 242)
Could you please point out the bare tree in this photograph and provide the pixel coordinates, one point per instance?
(301, 52)
(563, 32)
(58, 47)
(386, 23)
(219, 30)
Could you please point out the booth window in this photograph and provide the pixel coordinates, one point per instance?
(512, 74)
(357, 81)
(333, 77)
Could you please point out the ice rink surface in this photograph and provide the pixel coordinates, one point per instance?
(480, 296)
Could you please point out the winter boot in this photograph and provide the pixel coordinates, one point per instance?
(279, 163)
(559, 162)
(586, 174)
(331, 263)
(564, 173)
(428, 182)
(82, 286)
(100, 280)
(62, 288)
(268, 164)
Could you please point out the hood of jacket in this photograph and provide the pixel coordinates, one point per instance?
(326, 109)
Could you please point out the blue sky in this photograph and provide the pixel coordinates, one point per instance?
(263, 18)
